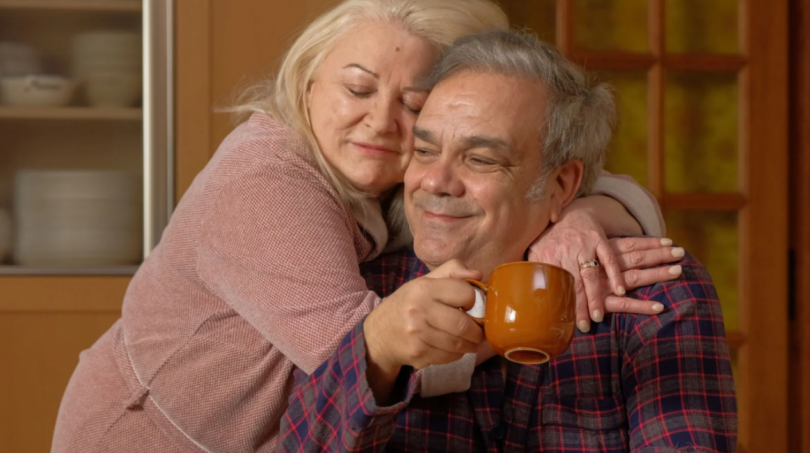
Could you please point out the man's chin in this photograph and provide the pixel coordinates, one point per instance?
(434, 253)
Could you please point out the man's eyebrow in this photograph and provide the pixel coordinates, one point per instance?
(424, 135)
(364, 69)
(481, 141)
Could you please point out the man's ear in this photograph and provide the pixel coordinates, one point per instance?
(563, 189)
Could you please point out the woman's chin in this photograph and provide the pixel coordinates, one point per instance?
(374, 186)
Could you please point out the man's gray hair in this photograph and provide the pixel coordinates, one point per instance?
(581, 115)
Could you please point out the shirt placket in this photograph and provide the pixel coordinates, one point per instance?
(520, 401)
(486, 395)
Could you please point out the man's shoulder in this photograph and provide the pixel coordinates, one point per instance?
(690, 299)
(694, 282)
(386, 273)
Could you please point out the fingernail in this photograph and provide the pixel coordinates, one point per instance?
(677, 252)
(658, 308)
(597, 316)
(675, 270)
(666, 242)
(621, 291)
(584, 326)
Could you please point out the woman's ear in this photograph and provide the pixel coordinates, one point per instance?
(563, 189)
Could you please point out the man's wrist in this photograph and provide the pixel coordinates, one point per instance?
(381, 371)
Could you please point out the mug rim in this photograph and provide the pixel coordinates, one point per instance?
(512, 263)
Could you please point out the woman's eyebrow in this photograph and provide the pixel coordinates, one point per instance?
(364, 69)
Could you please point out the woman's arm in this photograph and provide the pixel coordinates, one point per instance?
(637, 200)
(581, 235)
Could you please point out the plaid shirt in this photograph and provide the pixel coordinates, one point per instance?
(633, 383)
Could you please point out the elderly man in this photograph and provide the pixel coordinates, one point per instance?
(510, 134)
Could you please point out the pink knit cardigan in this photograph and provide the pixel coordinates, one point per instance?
(257, 272)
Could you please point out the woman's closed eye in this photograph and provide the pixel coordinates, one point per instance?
(360, 92)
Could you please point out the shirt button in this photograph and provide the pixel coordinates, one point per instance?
(498, 432)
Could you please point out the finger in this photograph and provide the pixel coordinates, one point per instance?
(582, 314)
(608, 260)
(455, 269)
(616, 304)
(444, 342)
(636, 278)
(451, 292)
(454, 322)
(591, 280)
(625, 245)
(648, 258)
(583, 318)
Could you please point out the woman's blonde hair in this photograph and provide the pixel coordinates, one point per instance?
(283, 98)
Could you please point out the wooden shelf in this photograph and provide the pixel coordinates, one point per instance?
(703, 201)
(74, 5)
(70, 113)
(64, 271)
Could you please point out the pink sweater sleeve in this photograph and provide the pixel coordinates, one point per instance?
(280, 250)
(638, 201)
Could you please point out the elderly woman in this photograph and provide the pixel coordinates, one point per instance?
(258, 270)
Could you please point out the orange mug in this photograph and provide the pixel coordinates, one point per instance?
(529, 316)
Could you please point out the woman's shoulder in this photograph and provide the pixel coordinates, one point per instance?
(264, 145)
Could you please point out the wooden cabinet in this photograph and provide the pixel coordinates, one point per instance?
(47, 320)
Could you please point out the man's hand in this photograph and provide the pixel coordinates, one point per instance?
(420, 325)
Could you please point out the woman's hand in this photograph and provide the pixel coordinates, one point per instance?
(578, 237)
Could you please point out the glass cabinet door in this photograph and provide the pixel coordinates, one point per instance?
(77, 172)
(700, 86)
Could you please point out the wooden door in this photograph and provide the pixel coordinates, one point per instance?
(799, 395)
(702, 87)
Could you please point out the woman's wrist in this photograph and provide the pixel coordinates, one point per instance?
(609, 213)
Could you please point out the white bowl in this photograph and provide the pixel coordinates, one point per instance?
(37, 91)
(5, 234)
(113, 88)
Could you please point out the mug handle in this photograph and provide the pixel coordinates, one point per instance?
(483, 287)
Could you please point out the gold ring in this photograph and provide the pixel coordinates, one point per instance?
(589, 263)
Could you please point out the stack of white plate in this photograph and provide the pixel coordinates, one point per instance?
(80, 218)
(109, 64)
(18, 59)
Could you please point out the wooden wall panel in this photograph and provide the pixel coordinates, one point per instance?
(222, 47)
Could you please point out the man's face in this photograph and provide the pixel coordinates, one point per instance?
(477, 154)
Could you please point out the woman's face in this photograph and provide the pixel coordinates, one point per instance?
(363, 103)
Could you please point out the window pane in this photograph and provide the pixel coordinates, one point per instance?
(702, 26)
(712, 238)
(628, 150)
(538, 15)
(611, 25)
(701, 132)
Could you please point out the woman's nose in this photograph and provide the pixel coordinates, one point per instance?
(381, 118)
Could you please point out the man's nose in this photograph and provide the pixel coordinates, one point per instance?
(442, 178)
(382, 118)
